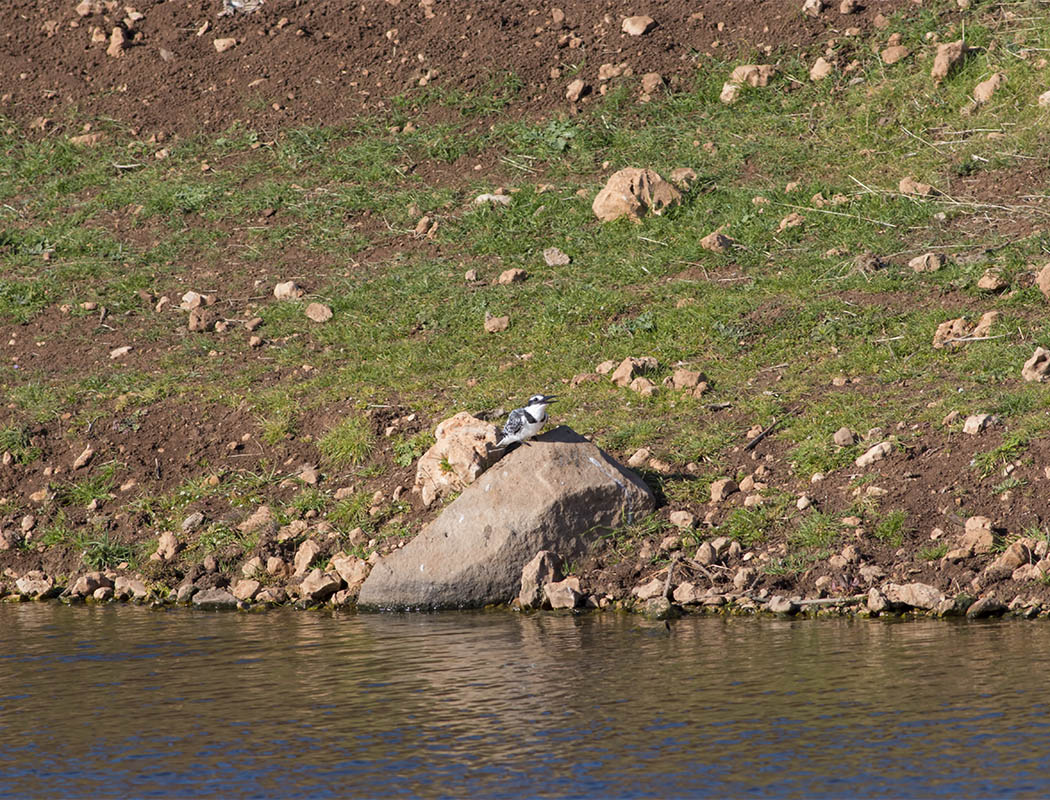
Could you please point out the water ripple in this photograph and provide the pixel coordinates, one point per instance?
(120, 701)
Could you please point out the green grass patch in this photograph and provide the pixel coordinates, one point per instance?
(349, 443)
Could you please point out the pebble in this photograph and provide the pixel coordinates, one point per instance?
(318, 312)
(637, 26)
(554, 257)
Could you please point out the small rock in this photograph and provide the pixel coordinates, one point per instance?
(129, 588)
(849, 6)
(318, 586)
(289, 290)
(721, 489)
(563, 594)
(978, 538)
(304, 557)
(496, 324)
(782, 605)
(986, 607)
(212, 599)
(821, 69)
(803, 503)
(976, 423)
(489, 199)
(318, 312)
(605, 367)
(120, 352)
(639, 458)
(632, 193)
(167, 547)
(812, 8)
(630, 367)
(948, 56)
(116, 43)
(729, 94)
(894, 53)
(843, 437)
(37, 585)
(792, 220)
(553, 257)
(991, 281)
(1044, 100)
(756, 75)
(542, 570)
(928, 262)
(683, 178)
(575, 90)
(637, 26)
(1042, 280)
(913, 595)
(644, 386)
(647, 591)
(717, 243)
(983, 91)
(1037, 367)
(509, 276)
(875, 453)
(651, 83)
(192, 522)
(908, 185)
(84, 457)
(683, 519)
(246, 589)
(261, 518)
(224, 44)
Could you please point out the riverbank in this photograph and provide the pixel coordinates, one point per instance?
(246, 273)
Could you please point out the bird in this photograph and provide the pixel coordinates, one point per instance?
(525, 422)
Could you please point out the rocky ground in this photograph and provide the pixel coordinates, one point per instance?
(236, 245)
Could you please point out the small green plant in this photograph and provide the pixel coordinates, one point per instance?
(408, 449)
(352, 512)
(891, 528)
(310, 499)
(815, 530)
(216, 537)
(16, 441)
(748, 525)
(95, 487)
(1013, 445)
(932, 552)
(1009, 483)
(102, 551)
(348, 443)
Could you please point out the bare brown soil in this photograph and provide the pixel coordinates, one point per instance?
(322, 63)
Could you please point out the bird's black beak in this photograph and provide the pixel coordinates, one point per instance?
(549, 398)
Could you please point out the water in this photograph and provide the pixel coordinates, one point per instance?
(121, 701)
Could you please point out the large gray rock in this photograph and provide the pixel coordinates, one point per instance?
(558, 492)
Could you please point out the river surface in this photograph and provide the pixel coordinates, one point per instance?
(120, 701)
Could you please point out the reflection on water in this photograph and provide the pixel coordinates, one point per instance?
(124, 701)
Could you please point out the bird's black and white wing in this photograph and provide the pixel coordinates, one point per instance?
(515, 423)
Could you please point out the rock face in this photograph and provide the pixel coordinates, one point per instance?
(631, 193)
(557, 493)
(463, 450)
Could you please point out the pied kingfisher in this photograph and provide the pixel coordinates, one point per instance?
(524, 423)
